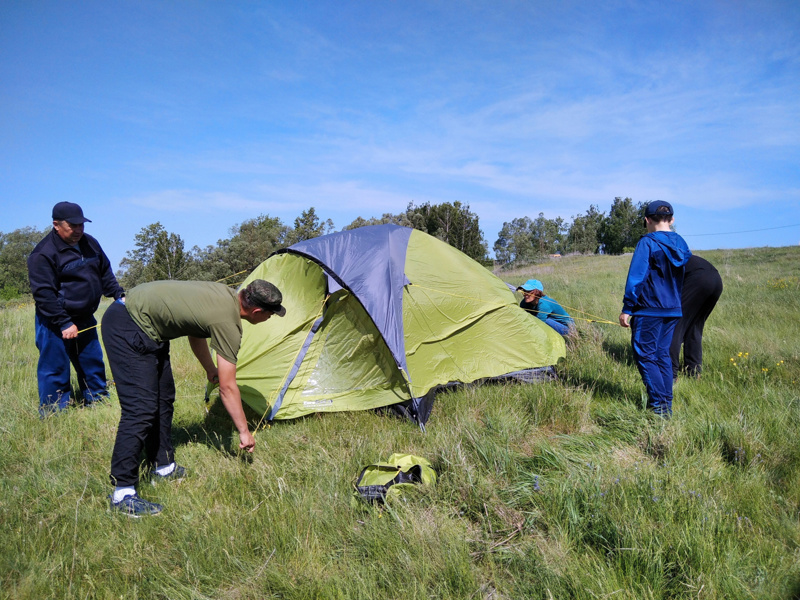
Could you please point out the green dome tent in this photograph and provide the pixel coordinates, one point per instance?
(381, 316)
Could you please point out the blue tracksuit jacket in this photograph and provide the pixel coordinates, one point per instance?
(655, 277)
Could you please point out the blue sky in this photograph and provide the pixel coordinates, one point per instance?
(201, 115)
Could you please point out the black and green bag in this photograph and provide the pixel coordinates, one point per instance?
(399, 472)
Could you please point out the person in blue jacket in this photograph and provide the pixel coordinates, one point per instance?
(651, 306)
(545, 308)
(69, 273)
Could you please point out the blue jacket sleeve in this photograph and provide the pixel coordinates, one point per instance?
(637, 272)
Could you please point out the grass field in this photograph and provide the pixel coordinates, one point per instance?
(565, 489)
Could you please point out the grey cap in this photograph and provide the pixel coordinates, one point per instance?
(262, 294)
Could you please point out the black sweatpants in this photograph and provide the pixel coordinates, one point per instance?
(702, 287)
(146, 389)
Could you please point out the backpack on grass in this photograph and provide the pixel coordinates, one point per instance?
(400, 471)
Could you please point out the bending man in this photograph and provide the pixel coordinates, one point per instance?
(702, 287)
(136, 335)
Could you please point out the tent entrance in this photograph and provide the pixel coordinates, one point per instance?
(345, 364)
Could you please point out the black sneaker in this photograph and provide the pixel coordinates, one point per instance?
(135, 507)
(177, 474)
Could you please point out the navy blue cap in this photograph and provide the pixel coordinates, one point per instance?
(69, 212)
(652, 208)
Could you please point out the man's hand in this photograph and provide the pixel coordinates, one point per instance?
(232, 400)
(70, 333)
(247, 441)
(625, 320)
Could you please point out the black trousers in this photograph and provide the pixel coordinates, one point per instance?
(700, 295)
(146, 389)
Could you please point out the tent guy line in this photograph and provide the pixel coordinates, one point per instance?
(595, 320)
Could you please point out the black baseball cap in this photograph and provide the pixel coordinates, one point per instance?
(652, 208)
(69, 212)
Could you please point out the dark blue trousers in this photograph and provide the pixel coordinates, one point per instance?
(143, 376)
(55, 356)
(651, 338)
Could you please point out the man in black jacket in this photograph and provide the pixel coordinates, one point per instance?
(69, 273)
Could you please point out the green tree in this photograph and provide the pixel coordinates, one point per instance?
(15, 247)
(584, 232)
(623, 227)
(308, 226)
(252, 242)
(207, 264)
(524, 240)
(514, 242)
(410, 218)
(249, 244)
(548, 234)
(453, 223)
(158, 254)
(169, 258)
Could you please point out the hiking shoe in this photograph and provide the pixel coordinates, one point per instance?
(177, 474)
(135, 507)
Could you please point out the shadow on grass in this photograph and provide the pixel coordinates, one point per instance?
(216, 430)
(794, 590)
(217, 435)
(620, 352)
(617, 409)
(602, 388)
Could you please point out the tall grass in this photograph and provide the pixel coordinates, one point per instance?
(565, 489)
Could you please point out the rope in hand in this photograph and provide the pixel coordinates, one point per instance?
(596, 318)
(88, 328)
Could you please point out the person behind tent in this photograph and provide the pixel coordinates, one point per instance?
(545, 308)
(651, 306)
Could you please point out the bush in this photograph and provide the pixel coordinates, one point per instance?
(9, 292)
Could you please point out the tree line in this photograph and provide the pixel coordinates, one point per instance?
(160, 254)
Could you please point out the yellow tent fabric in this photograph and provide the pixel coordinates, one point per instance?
(460, 323)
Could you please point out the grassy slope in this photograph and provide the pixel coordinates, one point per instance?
(556, 490)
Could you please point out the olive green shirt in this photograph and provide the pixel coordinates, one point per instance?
(166, 310)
